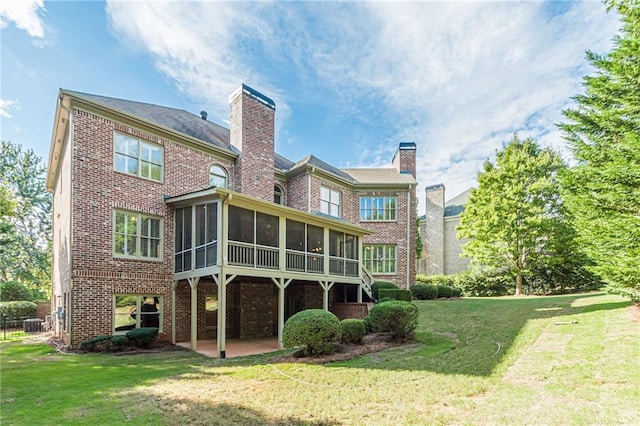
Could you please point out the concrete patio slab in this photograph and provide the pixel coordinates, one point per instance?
(235, 347)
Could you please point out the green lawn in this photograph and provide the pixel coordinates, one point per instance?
(540, 360)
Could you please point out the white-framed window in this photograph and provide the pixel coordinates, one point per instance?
(278, 194)
(217, 177)
(136, 157)
(330, 202)
(137, 235)
(378, 209)
(135, 311)
(380, 259)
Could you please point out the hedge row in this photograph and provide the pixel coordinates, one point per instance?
(386, 294)
(428, 291)
(17, 310)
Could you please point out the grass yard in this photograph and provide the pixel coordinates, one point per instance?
(571, 359)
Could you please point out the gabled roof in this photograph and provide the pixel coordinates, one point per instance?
(455, 206)
(380, 176)
(312, 161)
(176, 119)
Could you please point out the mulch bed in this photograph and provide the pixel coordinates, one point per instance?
(373, 342)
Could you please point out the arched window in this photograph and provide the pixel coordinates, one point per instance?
(278, 194)
(217, 177)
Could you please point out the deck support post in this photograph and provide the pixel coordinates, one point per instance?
(222, 280)
(326, 286)
(193, 283)
(282, 284)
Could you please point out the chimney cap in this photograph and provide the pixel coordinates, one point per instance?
(407, 146)
(434, 187)
(203, 115)
(253, 93)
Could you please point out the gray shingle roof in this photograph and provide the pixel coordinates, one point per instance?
(318, 163)
(207, 131)
(175, 119)
(455, 206)
(380, 176)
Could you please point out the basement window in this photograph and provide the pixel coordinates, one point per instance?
(135, 311)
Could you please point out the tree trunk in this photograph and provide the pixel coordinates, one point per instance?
(519, 284)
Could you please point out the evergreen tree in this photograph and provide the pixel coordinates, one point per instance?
(514, 219)
(603, 130)
(25, 221)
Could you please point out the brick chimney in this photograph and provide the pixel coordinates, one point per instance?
(252, 133)
(433, 237)
(405, 158)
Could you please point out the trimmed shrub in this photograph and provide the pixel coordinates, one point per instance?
(377, 285)
(97, 344)
(353, 330)
(424, 291)
(367, 324)
(444, 291)
(398, 317)
(17, 310)
(142, 337)
(314, 329)
(485, 284)
(386, 294)
(11, 291)
(119, 341)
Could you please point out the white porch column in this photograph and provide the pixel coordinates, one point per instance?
(326, 286)
(222, 280)
(193, 283)
(282, 284)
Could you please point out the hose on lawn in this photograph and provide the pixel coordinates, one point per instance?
(295, 379)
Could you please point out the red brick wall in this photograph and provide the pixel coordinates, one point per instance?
(252, 132)
(97, 191)
(350, 310)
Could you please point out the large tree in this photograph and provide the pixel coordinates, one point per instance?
(25, 220)
(514, 219)
(603, 130)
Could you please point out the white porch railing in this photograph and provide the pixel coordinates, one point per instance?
(253, 255)
(367, 281)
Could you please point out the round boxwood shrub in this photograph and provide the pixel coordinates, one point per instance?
(367, 324)
(313, 329)
(353, 330)
(377, 285)
(398, 317)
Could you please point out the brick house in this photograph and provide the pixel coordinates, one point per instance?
(442, 249)
(163, 218)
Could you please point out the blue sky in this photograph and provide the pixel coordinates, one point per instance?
(350, 79)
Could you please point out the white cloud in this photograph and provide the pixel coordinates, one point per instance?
(25, 14)
(458, 78)
(5, 106)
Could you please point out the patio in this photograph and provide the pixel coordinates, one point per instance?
(235, 347)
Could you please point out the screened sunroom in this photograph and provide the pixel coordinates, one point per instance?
(224, 237)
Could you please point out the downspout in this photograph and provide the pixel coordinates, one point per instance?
(309, 190)
(408, 236)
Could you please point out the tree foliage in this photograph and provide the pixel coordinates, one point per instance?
(514, 219)
(603, 130)
(25, 219)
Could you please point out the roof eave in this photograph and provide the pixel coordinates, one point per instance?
(58, 137)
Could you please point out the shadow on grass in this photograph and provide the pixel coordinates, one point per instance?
(185, 411)
(471, 336)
